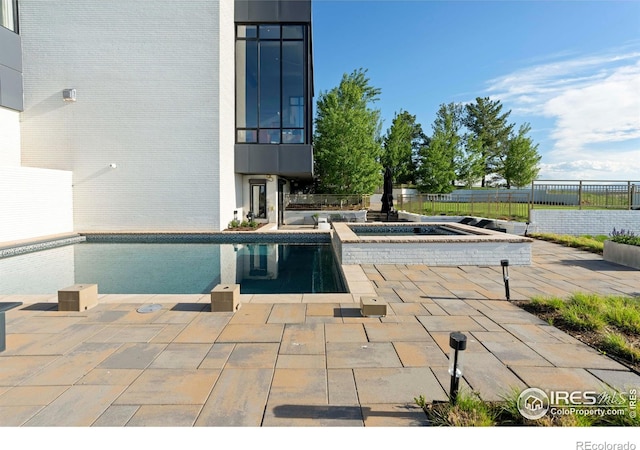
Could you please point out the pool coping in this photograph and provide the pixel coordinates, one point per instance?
(472, 234)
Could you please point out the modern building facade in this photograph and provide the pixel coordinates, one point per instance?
(132, 115)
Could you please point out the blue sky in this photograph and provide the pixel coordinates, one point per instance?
(571, 69)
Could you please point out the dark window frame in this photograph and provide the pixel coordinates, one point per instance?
(16, 24)
(258, 182)
(282, 129)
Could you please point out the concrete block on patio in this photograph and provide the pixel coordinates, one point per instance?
(78, 297)
(373, 306)
(225, 298)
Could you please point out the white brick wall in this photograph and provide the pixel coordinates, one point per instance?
(9, 138)
(581, 222)
(34, 202)
(436, 254)
(154, 83)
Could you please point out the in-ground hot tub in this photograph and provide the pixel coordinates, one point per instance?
(433, 244)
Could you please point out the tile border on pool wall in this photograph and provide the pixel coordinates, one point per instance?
(37, 246)
(213, 238)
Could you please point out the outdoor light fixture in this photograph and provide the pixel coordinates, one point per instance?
(269, 178)
(458, 343)
(505, 276)
(69, 95)
(113, 165)
(235, 214)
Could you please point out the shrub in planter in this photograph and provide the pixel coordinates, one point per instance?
(623, 248)
(625, 237)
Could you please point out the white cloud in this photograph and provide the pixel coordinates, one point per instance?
(594, 169)
(594, 103)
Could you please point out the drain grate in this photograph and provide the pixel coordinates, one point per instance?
(149, 308)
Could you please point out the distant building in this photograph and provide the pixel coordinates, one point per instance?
(151, 116)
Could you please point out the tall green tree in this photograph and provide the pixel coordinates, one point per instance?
(347, 143)
(469, 162)
(437, 168)
(519, 165)
(400, 147)
(488, 125)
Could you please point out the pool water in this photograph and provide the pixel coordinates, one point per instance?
(406, 230)
(174, 268)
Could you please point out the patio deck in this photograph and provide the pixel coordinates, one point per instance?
(302, 360)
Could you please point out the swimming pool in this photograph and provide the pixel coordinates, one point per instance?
(155, 267)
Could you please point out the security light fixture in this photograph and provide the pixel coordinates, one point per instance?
(505, 276)
(69, 95)
(457, 343)
(113, 165)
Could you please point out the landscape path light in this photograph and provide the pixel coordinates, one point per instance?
(505, 276)
(457, 343)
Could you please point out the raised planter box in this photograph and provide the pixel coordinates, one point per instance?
(625, 254)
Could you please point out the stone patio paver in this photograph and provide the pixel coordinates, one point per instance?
(251, 355)
(559, 378)
(78, 406)
(132, 356)
(237, 399)
(303, 339)
(397, 385)
(342, 355)
(386, 332)
(164, 416)
(116, 416)
(170, 387)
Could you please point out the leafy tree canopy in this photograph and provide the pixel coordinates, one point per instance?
(400, 147)
(519, 164)
(488, 125)
(347, 144)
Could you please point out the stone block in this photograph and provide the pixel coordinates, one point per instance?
(225, 298)
(78, 297)
(373, 306)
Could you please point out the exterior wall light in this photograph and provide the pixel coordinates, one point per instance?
(69, 95)
(505, 276)
(113, 165)
(457, 343)
(269, 178)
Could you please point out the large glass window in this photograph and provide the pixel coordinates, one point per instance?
(271, 84)
(9, 14)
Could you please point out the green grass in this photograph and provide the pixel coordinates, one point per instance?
(614, 319)
(497, 210)
(617, 344)
(593, 244)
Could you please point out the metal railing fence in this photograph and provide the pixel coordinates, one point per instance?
(586, 194)
(311, 202)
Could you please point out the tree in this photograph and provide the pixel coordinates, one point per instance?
(469, 162)
(347, 144)
(436, 172)
(400, 147)
(519, 164)
(486, 122)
